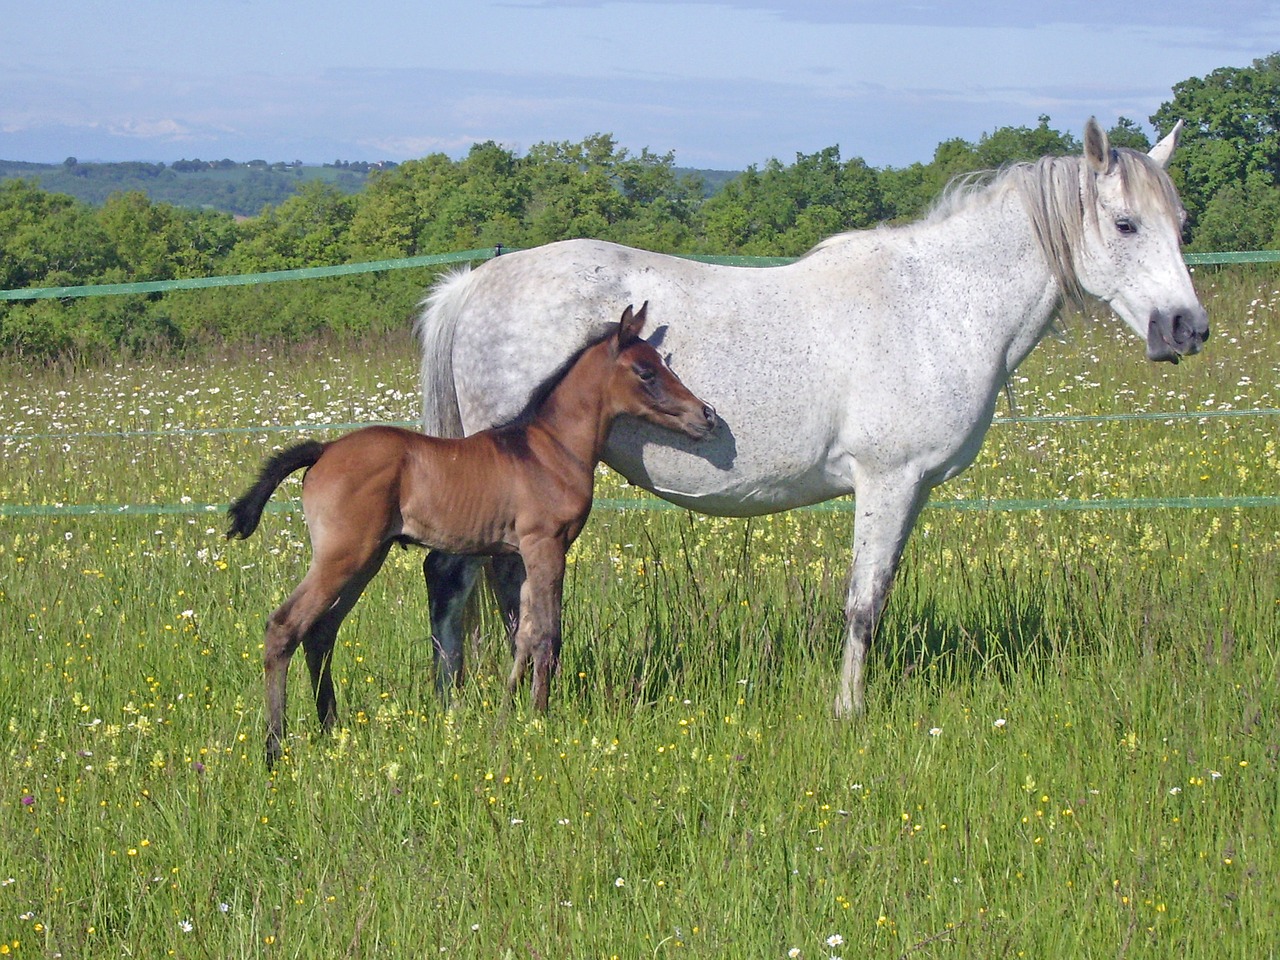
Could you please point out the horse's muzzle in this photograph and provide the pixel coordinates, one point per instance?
(1172, 336)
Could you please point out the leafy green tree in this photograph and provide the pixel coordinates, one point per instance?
(747, 215)
(48, 239)
(862, 197)
(395, 213)
(661, 204)
(485, 206)
(906, 191)
(1241, 216)
(1127, 133)
(573, 189)
(786, 210)
(1232, 131)
(1007, 145)
(307, 230)
(145, 237)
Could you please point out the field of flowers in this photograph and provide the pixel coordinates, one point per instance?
(1070, 750)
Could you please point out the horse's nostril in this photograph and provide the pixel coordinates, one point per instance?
(709, 412)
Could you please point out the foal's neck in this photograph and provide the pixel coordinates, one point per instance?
(575, 413)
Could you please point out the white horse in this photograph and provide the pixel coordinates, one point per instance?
(870, 366)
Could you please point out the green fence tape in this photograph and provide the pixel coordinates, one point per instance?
(1240, 256)
(1101, 417)
(650, 504)
(1048, 418)
(244, 279)
(846, 504)
(201, 431)
(437, 259)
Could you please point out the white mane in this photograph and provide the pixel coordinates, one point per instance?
(1060, 203)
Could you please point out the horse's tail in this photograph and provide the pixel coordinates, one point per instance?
(436, 327)
(247, 511)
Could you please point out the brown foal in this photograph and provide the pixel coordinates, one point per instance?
(522, 488)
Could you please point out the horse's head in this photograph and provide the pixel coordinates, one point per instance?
(644, 386)
(1129, 253)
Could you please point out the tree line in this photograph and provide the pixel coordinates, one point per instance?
(1228, 173)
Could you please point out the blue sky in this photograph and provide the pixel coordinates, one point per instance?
(723, 85)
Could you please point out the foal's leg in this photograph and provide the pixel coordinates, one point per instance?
(450, 578)
(538, 635)
(319, 640)
(331, 587)
(885, 511)
(286, 628)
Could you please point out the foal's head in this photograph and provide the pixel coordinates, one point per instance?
(641, 384)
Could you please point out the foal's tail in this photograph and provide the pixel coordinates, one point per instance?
(436, 327)
(247, 511)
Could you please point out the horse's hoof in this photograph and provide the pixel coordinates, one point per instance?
(848, 708)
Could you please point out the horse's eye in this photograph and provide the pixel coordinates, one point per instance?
(1126, 226)
(646, 374)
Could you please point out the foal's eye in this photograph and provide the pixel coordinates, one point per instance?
(646, 374)
(1126, 226)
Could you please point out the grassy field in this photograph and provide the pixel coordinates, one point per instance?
(1070, 749)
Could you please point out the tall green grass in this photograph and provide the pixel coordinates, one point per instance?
(1070, 748)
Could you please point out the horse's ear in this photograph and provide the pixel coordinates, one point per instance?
(1162, 152)
(1097, 148)
(631, 325)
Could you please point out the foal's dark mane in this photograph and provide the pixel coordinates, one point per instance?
(544, 389)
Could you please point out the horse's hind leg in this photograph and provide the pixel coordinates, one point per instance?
(450, 578)
(506, 578)
(319, 641)
(884, 514)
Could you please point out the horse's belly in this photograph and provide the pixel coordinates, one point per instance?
(717, 477)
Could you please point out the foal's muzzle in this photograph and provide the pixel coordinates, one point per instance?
(700, 429)
(1172, 336)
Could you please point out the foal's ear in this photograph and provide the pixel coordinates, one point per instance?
(631, 325)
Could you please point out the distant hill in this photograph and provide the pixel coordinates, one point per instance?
(243, 189)
(712, 180)
(238, 188)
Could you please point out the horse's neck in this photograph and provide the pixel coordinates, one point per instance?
(1010, 285)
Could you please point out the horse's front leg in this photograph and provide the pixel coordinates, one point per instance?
(450, 578)
(885, 511)
(537, 639)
